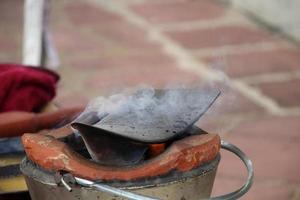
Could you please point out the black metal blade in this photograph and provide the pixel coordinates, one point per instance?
(156, 124)
(109, 149)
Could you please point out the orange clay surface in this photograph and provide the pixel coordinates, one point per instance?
(182, 155)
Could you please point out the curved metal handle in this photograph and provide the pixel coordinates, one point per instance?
(231, 196)
(112, 190)
(247, 162)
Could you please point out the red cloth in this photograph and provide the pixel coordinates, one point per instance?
(25, 88)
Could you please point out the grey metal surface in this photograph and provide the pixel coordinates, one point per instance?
(194, 185)
(188, 190)
(110, 190)
(157, 117)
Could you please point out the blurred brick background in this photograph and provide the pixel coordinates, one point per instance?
(105, 46)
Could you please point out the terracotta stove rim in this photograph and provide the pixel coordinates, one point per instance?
(59, 157)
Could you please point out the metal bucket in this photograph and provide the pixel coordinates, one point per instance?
(192, 185)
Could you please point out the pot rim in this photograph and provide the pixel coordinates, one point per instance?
(47, 177)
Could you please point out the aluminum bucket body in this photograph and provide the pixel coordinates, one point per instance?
(192, 185)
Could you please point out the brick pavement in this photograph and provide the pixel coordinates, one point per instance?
(105, 46)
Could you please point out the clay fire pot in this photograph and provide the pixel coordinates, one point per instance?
(182, 155)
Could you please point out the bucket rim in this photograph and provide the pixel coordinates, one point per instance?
(34, 171)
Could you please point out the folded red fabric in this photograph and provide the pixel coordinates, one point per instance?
(25, 88)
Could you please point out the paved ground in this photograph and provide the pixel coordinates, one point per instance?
(105, 46)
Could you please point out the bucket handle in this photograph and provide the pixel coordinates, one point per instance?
(133, 196)
(247, 162)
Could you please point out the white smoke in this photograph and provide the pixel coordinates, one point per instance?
(146, 103)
